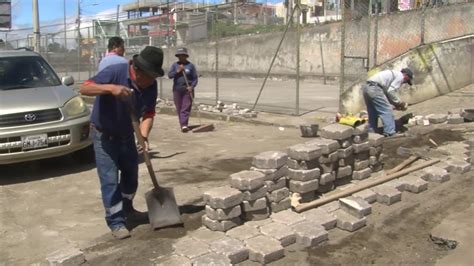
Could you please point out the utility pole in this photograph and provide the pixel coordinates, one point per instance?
(36, 27)
(117, 29)
(79, 37)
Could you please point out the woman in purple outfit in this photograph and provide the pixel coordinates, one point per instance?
(183, 87)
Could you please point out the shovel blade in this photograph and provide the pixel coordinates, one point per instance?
(163, 210)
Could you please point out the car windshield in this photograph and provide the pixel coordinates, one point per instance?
(26, 72)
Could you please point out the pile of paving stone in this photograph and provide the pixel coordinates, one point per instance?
(455, 116)
(232, 109)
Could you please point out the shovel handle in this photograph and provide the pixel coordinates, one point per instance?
(146, 155)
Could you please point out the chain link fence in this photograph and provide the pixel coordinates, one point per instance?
(293, 58)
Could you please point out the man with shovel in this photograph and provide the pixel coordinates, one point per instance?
(119, 89)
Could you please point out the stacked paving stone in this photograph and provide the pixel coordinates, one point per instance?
(375, 151)
(273, 165)
(223, 208)
(328, 163)
(254, 201)
(303, 170)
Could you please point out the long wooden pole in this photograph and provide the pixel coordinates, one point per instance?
(315, 203)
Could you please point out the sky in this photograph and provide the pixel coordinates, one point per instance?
(53, 10)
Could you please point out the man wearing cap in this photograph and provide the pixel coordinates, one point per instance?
(380, 94)
(185, 79)
(118, 89)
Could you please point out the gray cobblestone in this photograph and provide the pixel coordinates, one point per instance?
(458, 166)
(272, 174)
(304, 152)
(274, 185)
(375, 151)
(398, 184)
(327, 178)
(233, 249)
(308, 196)
(455, 119)
(264, 249)
(367, 195)
(320, 217)
(326, 187)
(362, 147)
(304, 175)
(220, 225)
(242, 232)
(347, 222)
(436, 174)
(175, 260)
(270, 160)
(222, 197)
(278, 195)
(414, 184)
(223, 214)
(361, 130)
(361, 156)
(190, 247)
(355, 206)
(256, 215)
(259, 223)
(206, 235)
(280, 232)
(68, 255)
(361, 174)
(254, 205)
(282, 205)
(211, 259)
(302, 165)
(303, 186)
(344, 153)
(250, 195)
(375, 139)
(327, 145)
(336, 131)
(309, 235)
(343, 172)
(345, 143)
(287, 217)
(330, 207)
(437, 118)
(346, 161)
(247, 180)
(387, 195)
(329, 158)
(361, 165)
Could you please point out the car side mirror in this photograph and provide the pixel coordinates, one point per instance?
(67, 80)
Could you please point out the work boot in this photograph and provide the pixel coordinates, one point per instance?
(120, 232)
(184, 129)
(132, 215)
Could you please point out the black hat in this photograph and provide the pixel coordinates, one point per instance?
(181, 51)
(150, 60)
(409, 73)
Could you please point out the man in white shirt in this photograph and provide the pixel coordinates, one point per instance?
(380, 94)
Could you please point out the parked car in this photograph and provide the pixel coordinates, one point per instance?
(40, 115)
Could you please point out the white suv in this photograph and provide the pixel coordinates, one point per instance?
(40, 116)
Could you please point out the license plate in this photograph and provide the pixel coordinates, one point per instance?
(34, 141)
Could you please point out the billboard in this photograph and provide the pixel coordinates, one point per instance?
(5, 14)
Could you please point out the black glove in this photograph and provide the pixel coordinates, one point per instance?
(402, 106)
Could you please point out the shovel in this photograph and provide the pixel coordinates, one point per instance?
(163, 210)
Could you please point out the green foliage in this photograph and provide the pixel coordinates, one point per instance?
(227, 29)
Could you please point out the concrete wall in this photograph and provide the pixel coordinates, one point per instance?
(438, 69)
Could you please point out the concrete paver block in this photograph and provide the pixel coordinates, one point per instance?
(211, 259)
(458, 166)
(455, 119)
(264, 249)
(345, 143)
(305, 152)
(329, 158)
(309, 235)
(308, 196)
(270, 160)
(272, 174)
(257, 215)
(247, 180)
(206, 235)
(66, 256)
(302, 165)
(346, 161)
(254, 205)
(278, 195)
(375, 151)
(362, 147)
(222, 197)
(280, 232)
(414, 184)
(259, 223)
(361, 165)
(336, 131)
(361, 156)
(373, 160)
(223, 225)
(232, 248)
(326, 187)
(190, 247)
(347, 222)
(328, 167)
(175, 260)
(250, 195)
(282, 205)
(327, 178)
(304, 175)
(437, 118)
(303, 186)
(375, 139)
(243, 232)
(327, 145)
(330, 207)
(274, 185)
(361, 130)
(223, 214)
(287, 217)
(387, 195)
(344, 153)
(343, 172)
(355, 206)
(436, 174)
(398, 184)
(368, 195)
(320, 217)
(361, 174)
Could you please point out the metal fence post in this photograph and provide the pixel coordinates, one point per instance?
(298, 37)
(369, 27)
(343, 47)
(217, 51)
(376, 34)
(422, 26)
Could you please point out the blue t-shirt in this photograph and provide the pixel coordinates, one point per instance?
(110, 114)
(179, 83)
(111, 59)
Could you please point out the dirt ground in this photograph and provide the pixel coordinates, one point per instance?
(49, 204)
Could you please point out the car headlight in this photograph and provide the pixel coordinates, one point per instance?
(75, 106)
